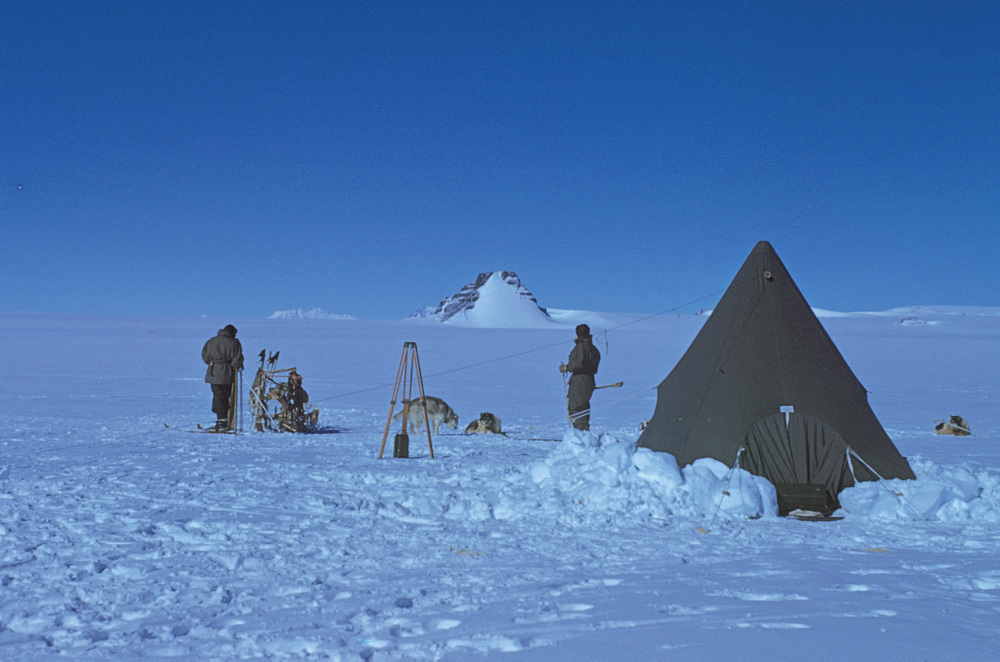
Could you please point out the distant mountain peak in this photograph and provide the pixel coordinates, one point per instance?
(468, 296)
(307, 314)
(495, 299)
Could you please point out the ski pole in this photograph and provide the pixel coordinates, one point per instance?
(239, 399)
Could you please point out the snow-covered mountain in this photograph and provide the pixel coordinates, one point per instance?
(497, 299)
(307, 314)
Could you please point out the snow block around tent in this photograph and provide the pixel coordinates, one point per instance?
(941, 494)
(598, 475)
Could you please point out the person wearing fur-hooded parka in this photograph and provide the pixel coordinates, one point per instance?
(223, 355)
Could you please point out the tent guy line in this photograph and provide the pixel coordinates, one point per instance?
(530, 351)
(904, 405)
(884, 484)
(421, 238)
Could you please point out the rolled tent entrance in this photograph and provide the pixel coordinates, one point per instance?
(798, 449)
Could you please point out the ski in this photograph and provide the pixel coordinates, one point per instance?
(212, 430)
(202, 430)
(534, 439)
(526, 438)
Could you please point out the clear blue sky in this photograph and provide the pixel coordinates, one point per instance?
(371, 158)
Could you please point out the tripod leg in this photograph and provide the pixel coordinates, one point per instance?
(423, 400)
(392, 405)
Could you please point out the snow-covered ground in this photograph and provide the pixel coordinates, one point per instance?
(122, 538)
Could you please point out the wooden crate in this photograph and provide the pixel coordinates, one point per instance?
(803, 496)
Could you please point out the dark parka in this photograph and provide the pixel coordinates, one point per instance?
(224, 356)
(582, 363)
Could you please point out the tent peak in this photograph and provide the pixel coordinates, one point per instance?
(763, 246)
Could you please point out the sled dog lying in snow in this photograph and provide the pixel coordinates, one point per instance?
(438, 412)
(486, 423)
(957, 426)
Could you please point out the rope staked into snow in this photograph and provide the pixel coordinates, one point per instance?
(850, 451)
(530, 351)
(883, 483)
(725, 491)
(850, 465)
(905, 405)
(586, 412)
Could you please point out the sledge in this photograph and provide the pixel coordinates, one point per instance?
(293, 413)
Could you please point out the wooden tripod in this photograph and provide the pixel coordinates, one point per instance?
(409, 366)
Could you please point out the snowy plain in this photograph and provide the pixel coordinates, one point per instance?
(122, 538)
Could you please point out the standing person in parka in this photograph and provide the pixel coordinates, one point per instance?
(224, 356)
(582, 363)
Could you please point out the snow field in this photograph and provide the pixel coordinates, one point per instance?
(122, 538)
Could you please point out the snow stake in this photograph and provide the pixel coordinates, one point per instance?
(725, 491)
(234, 404)
(409, 366)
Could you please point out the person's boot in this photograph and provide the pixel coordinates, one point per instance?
(221, 425)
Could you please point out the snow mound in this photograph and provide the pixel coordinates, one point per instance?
(496, 300)
(599, 476)
(307, 314)
(940, 493)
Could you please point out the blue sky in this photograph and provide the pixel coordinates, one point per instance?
(233, 159)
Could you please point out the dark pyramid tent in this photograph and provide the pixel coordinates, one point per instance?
(764, 376)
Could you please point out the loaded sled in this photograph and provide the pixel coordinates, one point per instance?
(278, 401)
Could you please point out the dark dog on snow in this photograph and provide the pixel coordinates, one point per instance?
(486, 423)
(957, 426)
